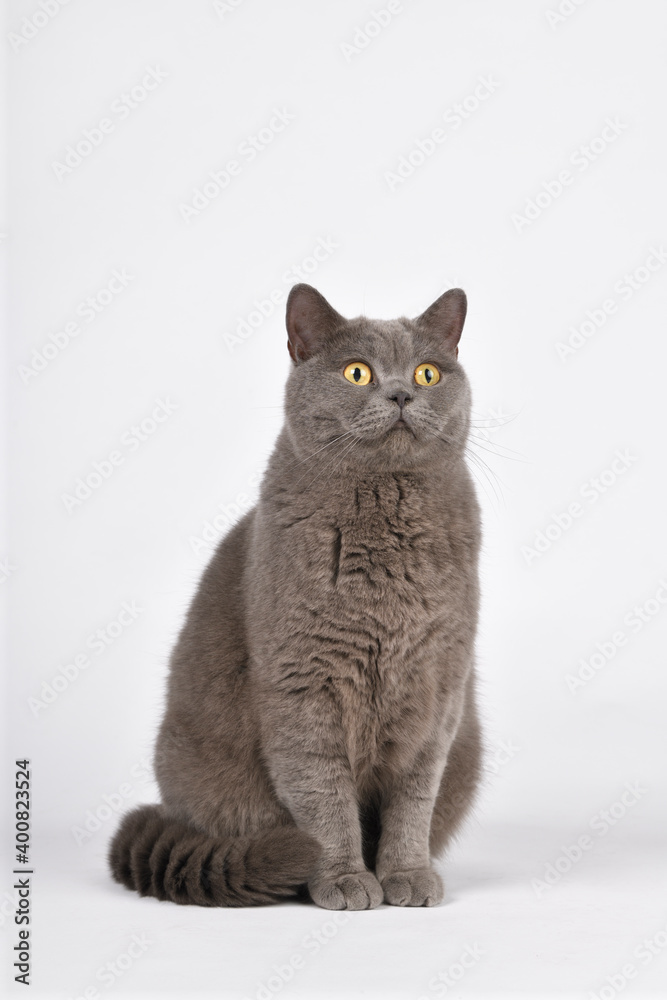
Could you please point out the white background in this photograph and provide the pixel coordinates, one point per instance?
(546, 424)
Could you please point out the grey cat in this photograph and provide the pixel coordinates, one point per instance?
(321, 728)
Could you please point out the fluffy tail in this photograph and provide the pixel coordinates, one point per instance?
(162, 857)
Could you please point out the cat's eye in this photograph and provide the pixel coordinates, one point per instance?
(358, 373)
(426, 374)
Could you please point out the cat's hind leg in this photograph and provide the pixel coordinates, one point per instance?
(460, 779)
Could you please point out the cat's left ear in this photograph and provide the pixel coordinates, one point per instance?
(310, 320)
(445, 318)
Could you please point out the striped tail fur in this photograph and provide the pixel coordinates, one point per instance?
(165, 858)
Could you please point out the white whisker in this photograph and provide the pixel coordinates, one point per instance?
(331, 469)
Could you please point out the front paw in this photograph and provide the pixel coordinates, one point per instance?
(419, 887)
(356, 891)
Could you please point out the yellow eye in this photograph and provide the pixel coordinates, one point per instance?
(426, 375)
(358, 373)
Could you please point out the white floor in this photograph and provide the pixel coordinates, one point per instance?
(494, 935)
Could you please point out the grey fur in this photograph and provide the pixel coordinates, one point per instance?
(324, 676)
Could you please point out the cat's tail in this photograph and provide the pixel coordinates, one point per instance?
(163, 857)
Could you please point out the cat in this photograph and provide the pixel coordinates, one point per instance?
(321, 738)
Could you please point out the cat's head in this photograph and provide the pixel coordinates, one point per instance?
(393, 388)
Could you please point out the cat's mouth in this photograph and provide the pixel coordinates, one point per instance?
(401, 425)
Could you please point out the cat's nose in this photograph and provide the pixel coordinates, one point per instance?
(401, 398)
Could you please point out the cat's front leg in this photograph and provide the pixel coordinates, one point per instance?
(403, 864)
(314, 781)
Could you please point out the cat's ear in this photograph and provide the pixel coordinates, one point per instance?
(309, 319)
(445, 318)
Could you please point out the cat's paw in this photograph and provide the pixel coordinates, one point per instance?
(356, 891)
(419, 887)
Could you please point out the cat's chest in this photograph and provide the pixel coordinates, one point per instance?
(381, 544)
(365, 594)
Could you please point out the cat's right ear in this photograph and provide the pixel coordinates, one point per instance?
(309, 319)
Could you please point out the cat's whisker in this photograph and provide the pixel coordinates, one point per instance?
(490, 423)
(484, 429)
(491, 477)
(493, 446)
(331, 467)
(317, 452)
(481, 481)
(324, 447)
(488, 420)
(475, 470)
(482, 462)
(495, 481)
(347, 450)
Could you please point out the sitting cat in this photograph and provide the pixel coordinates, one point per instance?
(321, 726)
